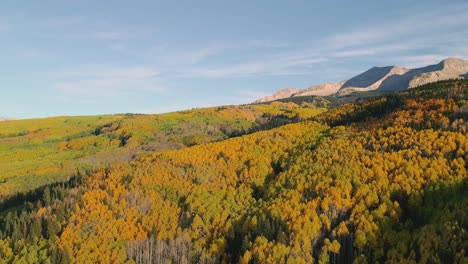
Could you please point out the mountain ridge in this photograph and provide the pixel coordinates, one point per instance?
(381, 79)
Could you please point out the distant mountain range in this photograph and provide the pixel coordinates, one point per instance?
(5, 118)
(381, 79)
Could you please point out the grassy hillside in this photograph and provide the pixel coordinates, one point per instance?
(42, 151)
(378, 181)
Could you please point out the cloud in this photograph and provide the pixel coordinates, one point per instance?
(278, 65)
(61, 22)
(413, 25)
(436, 34)
(267, 44)
(104, 34)
(358, 52)
(416, 61)
(99, 71)
(191, 56)
(106, 86)
(75, 28)
(406, 34)
(33, 54)
(83, 28)
(166, 56)
(418, 31)
(290, 63)
(107, 81)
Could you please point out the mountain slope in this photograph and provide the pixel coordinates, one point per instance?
(384, 79)
(323, 89)
(450, 68)
(284, 93)
(372, 79)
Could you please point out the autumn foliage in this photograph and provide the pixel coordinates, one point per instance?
(379, 181)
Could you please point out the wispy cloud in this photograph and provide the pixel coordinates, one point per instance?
(94, 71)
(279, 65)
(61, 22)
(406, 34)
(366, 51)
(107, 81)
(33, 54)
(110, 34)
(190, 56)
(416, 61)
(264, 43)
(104, 33)
(436, 34)
(289, 62)
(425, 30)
(83, 28)
(411, 26)
(107, 87)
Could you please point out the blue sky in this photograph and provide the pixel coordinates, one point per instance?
(97, 57)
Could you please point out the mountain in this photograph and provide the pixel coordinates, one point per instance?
(450, 68)
(381, 79)
(6, 119)
(372, 79)
(284, 93)
(323, 89)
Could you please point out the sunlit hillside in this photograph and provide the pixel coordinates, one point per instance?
(43, 151)
(382, 180)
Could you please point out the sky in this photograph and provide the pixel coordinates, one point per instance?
(103, 57)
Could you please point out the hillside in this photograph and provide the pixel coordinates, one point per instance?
(43, 151)
(382, 79)
(389, 186)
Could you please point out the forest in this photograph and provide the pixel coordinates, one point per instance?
(381, 180)
(38, 152)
